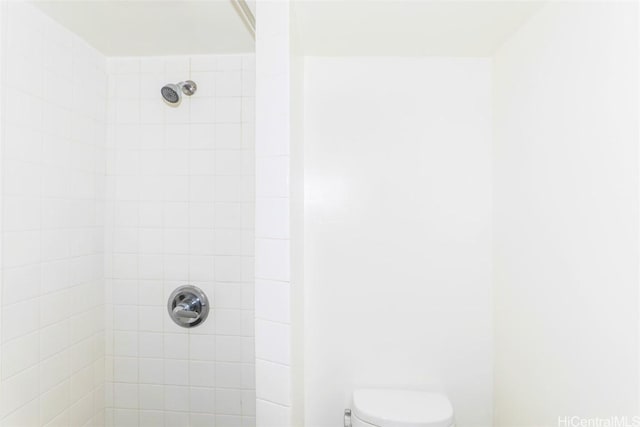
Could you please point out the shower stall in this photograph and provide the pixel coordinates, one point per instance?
(115, 204)
(208, 224)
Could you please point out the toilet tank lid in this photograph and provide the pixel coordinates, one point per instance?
(402, 408)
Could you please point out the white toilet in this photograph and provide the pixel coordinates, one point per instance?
(399, 408)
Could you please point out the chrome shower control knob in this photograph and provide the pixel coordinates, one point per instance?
(188, 306)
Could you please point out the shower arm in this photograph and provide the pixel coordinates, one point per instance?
(245, 13)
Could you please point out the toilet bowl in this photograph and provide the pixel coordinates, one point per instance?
(399, 408)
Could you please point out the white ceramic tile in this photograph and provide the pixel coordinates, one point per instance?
(202, 347)
(229, 189)
(20, 283)
(248, 83)
(272, 300)
(272, 218)
(125, 370)
(228, 162)
(202, 373)
(228, 268)
(228, 295)
(202, 399)
(228, 375)
(228, 322)
(202, 136)
(151, 371)
(248, 405)
(54, 370)
(125, 65)
(19, 389)
(204, 63)
(176, 241)
(176, 372)
(29, 319)
(228, 136)
(202, 241)
(228, 242)
(229, 62)
(150, 320)
(249, 375)
(228, 215)
(177, 64)
(176, 398)
(272, 177)
(151, 293)
(273, 341)
(228, 83)
(176, 346)
(151, 65)
(151, 397)
(201, 268)
(273, 382)
(150, 266)
(203, 110)
(150, 240)
(151, 418)
(228, 401)
(19, 354)
(272, 259)
(228, 349)
(152, 137)
(150, 214)
(53, 400)
(125, 343)
(125, 395)
(228, 109)
(203, 162)
(201, 188)
(269, 414)
(27, 415)
(125, 318)
(229, 420)
(151, 345)
(125, 418)
(248, 110)
(176, 267)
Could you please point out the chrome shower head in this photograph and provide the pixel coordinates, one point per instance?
(171, 92)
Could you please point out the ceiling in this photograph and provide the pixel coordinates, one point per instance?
(407, 28)
(324, 27)
(159, 27)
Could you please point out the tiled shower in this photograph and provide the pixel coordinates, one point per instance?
(180, 211)
(111, 200)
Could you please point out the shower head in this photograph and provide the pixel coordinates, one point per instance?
(171, 92)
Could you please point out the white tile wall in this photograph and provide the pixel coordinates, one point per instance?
(272, 251)
(180, 199)
(180, 190)
(53, 164)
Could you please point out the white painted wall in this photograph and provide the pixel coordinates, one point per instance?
(397, 231)
(566, 216)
